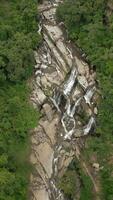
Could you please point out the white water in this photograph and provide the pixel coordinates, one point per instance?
(71, 109)
(67, 108)
(70, 82)
(56, 99)
(89, 94)
(89, 125)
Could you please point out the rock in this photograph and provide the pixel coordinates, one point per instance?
(48, 110)
(45, 83)
(56, 54)
(78, 133)
(49, 14)
(38, 80)
(53, 78)
(49, 58)
(88, 111)
(37, 66)
(37, 57)
(38, 72)
(64, 162)
(83, 81)
(87, 71)
(38, 136)
(51, 128)
(81, 67)
(45, 156)
(79, 123)
(76, 93)
(33, 159)
(41, 194)
(43, 66)
(96, 166)
(95, 111)
(54, 60)
(40, 96)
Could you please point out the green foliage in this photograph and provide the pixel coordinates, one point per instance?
(68, 184)
(107, 183)
(86, 190)
(17, 117)
(18, 39)
(90, 25)
(73, 180)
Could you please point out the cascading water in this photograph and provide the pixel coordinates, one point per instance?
(89, 95)
(70, 82)
(67, 99)
(72, 108)
(89, 125)
(56, 99)
(70, 123)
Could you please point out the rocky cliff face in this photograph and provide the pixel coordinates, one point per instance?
(65, 90)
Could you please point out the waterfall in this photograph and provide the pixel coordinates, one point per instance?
(89, 95)
(68, 120)
(89, 125)
(70, 82)
(71, 109)
(61, 122)
(56, 99)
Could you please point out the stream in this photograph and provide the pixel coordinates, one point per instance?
(64, 88)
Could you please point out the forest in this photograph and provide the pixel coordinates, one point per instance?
(89, 25)
(18, 39)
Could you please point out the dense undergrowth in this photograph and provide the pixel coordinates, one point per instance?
(90, 25)
(73, 180)
(18, 39)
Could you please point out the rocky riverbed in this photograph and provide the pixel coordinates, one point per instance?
(64, 88)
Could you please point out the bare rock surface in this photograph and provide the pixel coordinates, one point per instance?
(64, 89)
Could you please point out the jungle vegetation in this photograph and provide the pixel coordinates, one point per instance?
(18, 39)
(89, 25)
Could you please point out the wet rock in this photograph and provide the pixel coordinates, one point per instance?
(63, 79)
(89, 125)
(76, 93)
(86, 109)
(57, 36)
(89, 95)
(56, 54)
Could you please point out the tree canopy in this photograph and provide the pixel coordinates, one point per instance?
(18, 39)
(89, 24)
